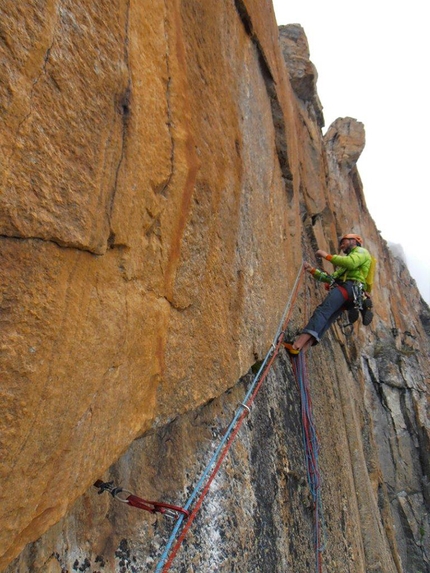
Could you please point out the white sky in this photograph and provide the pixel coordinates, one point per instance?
(372, 62)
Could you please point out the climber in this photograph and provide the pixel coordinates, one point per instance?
(346, 287)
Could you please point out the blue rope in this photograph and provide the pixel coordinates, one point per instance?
(311, 449)
(229, 430)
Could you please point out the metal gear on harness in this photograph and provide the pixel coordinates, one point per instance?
(357, 301)
(362, 304)
(366, 311)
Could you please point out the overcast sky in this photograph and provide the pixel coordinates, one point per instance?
(372, 62)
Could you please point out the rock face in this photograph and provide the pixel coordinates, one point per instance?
(302, 72)
(163, 176)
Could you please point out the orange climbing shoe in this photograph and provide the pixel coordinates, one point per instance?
(290, 348)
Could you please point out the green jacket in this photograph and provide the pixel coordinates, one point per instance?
(352, 267)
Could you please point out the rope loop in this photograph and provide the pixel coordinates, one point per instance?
(311, 449)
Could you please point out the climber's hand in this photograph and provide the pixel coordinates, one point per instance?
(321, 253)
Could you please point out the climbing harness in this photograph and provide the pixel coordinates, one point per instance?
(353, 308)
(212, 468)
(168, 510)
(361, 303)
(311, 449)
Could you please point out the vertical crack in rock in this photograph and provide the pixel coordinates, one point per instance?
(277, 114)
(124, 110)
(377, 384)
(402, 493)
(166, 184)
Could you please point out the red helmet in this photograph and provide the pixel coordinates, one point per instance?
(352, 236)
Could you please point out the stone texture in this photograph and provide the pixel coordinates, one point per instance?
(65, 88)
(105, 329)
(161, 182)
(302, 72)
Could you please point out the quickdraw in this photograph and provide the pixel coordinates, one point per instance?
(166, 509)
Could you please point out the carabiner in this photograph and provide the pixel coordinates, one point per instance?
(168, 510)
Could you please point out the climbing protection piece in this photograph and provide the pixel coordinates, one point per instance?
(366, 311)
(166, 509)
